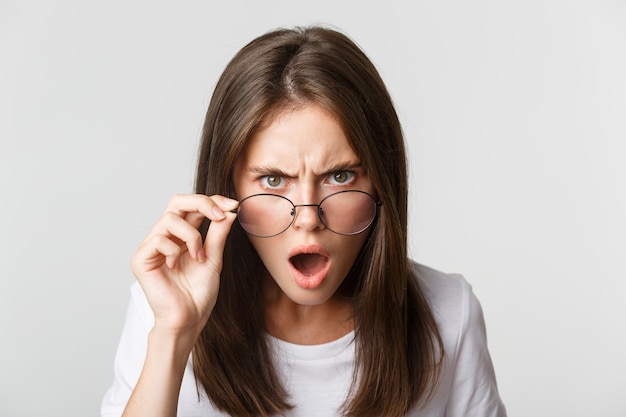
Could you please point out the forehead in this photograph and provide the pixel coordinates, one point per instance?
(296, 136)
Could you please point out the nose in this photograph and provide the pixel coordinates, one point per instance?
(307, 217)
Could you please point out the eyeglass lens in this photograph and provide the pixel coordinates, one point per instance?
(345, 212)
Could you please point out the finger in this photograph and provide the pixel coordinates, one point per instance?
(180, 231)
(195, 207)
(216, 239)
(183, 216)
(153, 253)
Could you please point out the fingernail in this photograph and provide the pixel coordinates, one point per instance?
(231, 203)
(219, 214)
(200, 255)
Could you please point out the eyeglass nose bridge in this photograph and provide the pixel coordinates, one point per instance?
(319, 211)
(306, 205)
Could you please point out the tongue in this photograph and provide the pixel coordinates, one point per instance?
(309, 263)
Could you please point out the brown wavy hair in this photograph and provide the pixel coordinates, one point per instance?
(398, 347)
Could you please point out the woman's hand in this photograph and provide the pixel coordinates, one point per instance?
(179, 275)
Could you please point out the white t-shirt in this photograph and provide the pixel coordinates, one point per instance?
(318, 377)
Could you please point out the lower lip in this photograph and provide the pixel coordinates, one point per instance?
(310, 281)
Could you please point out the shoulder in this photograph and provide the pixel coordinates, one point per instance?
(468, 385)
(434, 282)
(455, 307)
(444, 292)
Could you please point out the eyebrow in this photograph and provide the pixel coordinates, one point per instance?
(271, 170)
(344, 166)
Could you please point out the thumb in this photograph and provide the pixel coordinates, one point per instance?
(216, 240)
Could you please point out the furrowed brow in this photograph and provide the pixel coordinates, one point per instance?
(344, 166)
(269, 170)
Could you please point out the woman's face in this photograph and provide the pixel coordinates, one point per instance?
(304, 156)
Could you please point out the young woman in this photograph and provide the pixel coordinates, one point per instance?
(283, 287)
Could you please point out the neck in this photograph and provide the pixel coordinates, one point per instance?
(306, 324)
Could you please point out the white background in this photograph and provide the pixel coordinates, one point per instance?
(515, 117)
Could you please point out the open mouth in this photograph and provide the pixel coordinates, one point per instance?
(309, 264)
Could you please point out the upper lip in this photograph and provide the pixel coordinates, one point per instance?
(313, 248)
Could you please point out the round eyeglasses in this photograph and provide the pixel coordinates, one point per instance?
(347, 213)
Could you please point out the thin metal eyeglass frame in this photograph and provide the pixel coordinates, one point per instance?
(319, 212)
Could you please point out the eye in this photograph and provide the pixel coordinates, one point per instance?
(272, 181)
(342, 177)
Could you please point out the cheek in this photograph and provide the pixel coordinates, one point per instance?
(269, 250)
(346, 252)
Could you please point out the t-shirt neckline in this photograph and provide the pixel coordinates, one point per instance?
(312, 352)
